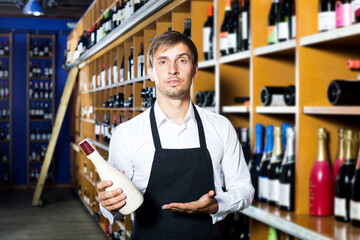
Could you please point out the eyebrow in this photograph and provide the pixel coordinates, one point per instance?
(178, 56)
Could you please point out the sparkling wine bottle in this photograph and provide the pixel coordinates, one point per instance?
(343, 180)
(355, 193)
(134, 198)
(340, 158)
(321, 181)
(265, 160)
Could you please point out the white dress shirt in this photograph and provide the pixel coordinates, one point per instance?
(132, 150)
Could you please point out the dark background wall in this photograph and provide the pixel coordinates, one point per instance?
(20, 27)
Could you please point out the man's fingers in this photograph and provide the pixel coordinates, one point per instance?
(113, 200)
(101, 186)
(105, 195)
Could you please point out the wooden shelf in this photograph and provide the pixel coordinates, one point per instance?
(4, 120)
(235, 109)
(4, 56)
(207, 64)
(88, 120)
(282, 48)
(40, 99)
(302, 226)
(88, 178)
(38, 57)
(4, 78)
(4, 99)
(39, 141)
(237, 57)
(122, 227)
(40, 78)
(341, 36)
(276, 110)
(40, 120)
(332, 110)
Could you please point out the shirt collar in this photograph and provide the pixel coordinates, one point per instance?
(160, 116)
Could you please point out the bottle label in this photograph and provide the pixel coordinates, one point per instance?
(121, 75)
(273, 192)
(277, 100)
(263, 188)
(343, 14)
(271, 34)
(244, 17)
(109, 76)
(97, 129)
(354, 210)
(284, 198)
(293, 27)
(103, 81)
(223, 41)
(93, 82)
(231, 41)
(340, 207)
(206, 39)
(283, 31)
(326, 21)
(115, 74)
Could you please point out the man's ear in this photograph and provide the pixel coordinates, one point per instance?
(195, 74)
(151, 74)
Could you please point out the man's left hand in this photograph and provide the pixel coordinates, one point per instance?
(206, 204)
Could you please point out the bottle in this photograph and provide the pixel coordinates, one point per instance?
(272, 21)
(293, 20)
(326, 15)
(265, 160)
(2, 50)
(233, 30)
(208, 34)
(340, 158)
(289, 95)
(245, 145)
(103, 75)
(245, 28)
(287, 173)
(254, 163)
(114, 125)
(321, 180)
(343, 13)
(141, 62)
(343, 180)
(272, 96)
(355, 11)
(283, 24)
(36, 49)
(224, 29)
(353, 64)
(97, 129)
(134, 198)
(273, 234)
(355, 193)
(122, 68)
(7, 48)
(130, 69)
(115, 71)
(344, 92)
(274, 168)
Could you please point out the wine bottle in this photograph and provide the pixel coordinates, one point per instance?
(208, 34)
(355, 193)
(141, 62)
(254, 163)
(284, 126)
(283, 24)
(272, 21)
(265, 160)
(130, 70)
(321, 180)
(122, 68)
(245, 145)
(97, 128)
(340, 158)
(293, 20)
(343, 180)
(2, 50)
(326, 15)
(233, 31)
(272, 96)
(355, 11)
(115, 71)
(245, 28)
(289, 95)
(287, 173)
(224, 29)
(343, 13)
(344, 92)
(134, 198)
(274, 168)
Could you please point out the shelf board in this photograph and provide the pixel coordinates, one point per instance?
(4, 120)
(283, 48)
(88, 178)
(40, 99)
(38, 57)
(87, 120)
(35, 162)
(40, 120)
(276, 110)
(40, 78)
(348, 35)
(4, 56)
(235, 109)
(302, 226)
(86, 206)
(5, 163)
(4, 78)
(122, 227)
(206, 64)
(39, 141)
(236, 57)
(332, 110)
(4, 99)
(140, 15)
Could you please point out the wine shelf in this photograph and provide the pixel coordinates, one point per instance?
(88, 178)
(38, 57)
(40, 79)
(346, 36)
(235, 109)
(5, 163)
(4, 120)
(237, 57)
(282, 48)
(40, 120)
(332, 110)
(122, 227)
(207, 64)
(275, 110)
(85, 204)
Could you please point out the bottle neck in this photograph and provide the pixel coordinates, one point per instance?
(290, 150)
(340, 153)
(349, 155)
(277, 154)
(258, 143)
(322, 154)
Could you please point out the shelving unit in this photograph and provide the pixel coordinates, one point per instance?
(309, 62)
(6, 82)
(40, 97)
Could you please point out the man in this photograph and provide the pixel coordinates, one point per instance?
(175, 154)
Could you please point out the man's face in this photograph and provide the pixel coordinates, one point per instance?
(173, 71)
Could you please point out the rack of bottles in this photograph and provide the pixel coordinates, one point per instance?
(40, 103)
(267, 62)
(5, 107)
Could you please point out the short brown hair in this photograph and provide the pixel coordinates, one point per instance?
(169, 39)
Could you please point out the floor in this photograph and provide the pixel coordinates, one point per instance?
(62, 216)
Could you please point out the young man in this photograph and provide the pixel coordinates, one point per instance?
(175, 154)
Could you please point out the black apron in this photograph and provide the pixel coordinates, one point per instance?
(177, 175)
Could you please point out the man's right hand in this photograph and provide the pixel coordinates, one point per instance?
(110, 200)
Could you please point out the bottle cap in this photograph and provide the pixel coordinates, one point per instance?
(349, 134)
(210, 11)
(341, 132)
(259, 128)
(322, 133)
(277, 130)
(269, 130)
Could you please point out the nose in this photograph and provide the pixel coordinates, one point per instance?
(173, 69)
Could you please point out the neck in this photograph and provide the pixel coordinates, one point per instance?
(175, 109)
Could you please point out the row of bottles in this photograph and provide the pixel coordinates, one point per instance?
(334, 189)
(4, 112)
(4, 90)
(42, 133)
(4, 48)
(40, 90)
(4, 69)
(37, 153)
(205, 98)
(35, 174)
(104, 130)
(272, 171)
(4, 132)
(41, 48)
(40, 110)
(278, 95)
(36, 71)
(4, 154)
(4, 175)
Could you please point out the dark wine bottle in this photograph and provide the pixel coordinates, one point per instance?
(265, 160)
(355, 193)
(97, 128)
(274, 168)
(326, 15)
(245, 145)
(272, 21)
(130, 70)
(254, 163)
(122, 68)
(287, 175)
(344, 92)
(340, 158)
(208, 34)
(245, 28)
(289, 95)
(233, 31)
(141, 62)
(343, 180)
(293, 20)
(224, 29)
(283, 24)
(272, 96)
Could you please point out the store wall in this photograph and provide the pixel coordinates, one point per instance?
(20, 27)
